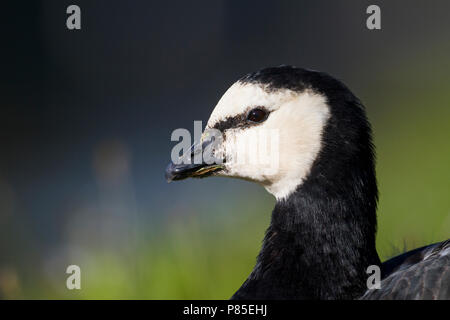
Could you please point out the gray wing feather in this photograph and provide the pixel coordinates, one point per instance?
(426, 279)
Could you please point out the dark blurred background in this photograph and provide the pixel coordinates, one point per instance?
(86, 118)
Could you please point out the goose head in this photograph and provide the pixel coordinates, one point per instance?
(269, 127)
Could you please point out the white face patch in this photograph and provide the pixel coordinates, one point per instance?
(239, 97)
(292, 131)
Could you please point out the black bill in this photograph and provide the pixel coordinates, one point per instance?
(189, 166)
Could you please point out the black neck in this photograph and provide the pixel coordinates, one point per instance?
(308, 254)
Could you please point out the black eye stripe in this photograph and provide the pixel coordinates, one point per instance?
(239, 121)
(230, 122)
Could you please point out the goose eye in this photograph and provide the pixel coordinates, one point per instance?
(257, 115)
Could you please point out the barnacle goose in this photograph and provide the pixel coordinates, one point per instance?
(321, 238)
